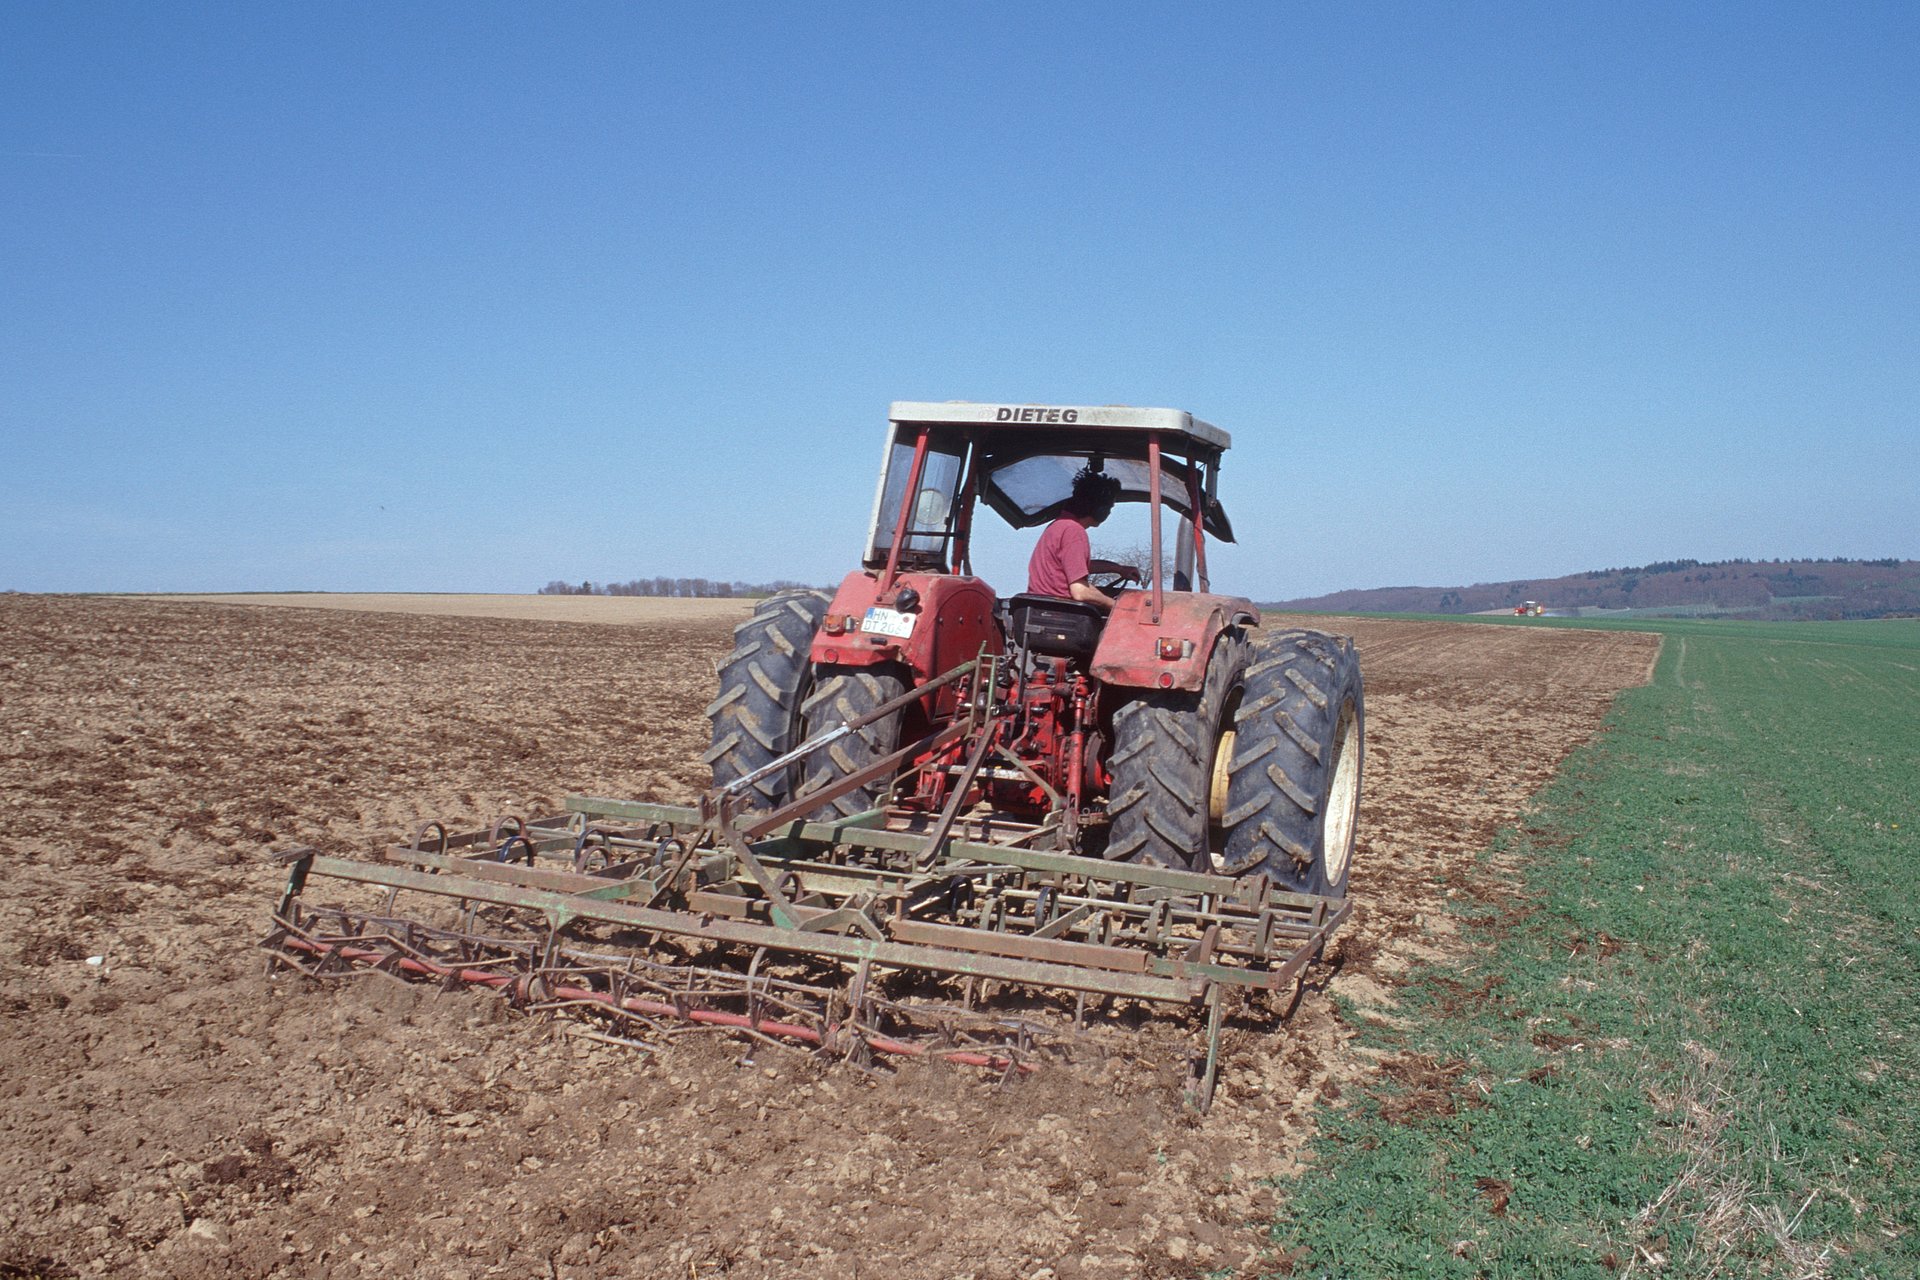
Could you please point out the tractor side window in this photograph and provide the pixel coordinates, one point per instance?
(930, 523)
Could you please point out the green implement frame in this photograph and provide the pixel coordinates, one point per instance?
(605, 907)
(655, 917)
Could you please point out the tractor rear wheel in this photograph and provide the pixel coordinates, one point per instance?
(840, 696)
(1293, 791)
(763, 682)
(1166, 755)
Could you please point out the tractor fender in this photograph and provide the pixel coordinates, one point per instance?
(952, 618)
(1130, 651)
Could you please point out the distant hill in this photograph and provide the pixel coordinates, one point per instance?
(1772, 589)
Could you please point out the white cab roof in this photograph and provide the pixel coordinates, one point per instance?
(1060, 417)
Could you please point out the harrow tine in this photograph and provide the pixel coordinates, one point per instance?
(1199, 1092)
(621, 1042)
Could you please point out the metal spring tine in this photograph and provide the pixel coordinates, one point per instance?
(621, 1042)
(580, 846)
(753, 995)
(773, 1041)
(505, 853)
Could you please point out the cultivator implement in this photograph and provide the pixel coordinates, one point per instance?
(953, 932)
(850, 940)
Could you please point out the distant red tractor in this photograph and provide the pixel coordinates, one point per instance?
(1174, 732)
(1529, 609)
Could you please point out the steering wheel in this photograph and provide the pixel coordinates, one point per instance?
(1110, 583)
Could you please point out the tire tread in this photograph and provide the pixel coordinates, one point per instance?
(1162, 765)
(1284, 752)
(839, 697)
(755, 715)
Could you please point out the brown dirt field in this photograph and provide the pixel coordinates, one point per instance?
(172, 1111)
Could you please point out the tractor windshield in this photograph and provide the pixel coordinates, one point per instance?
(930, 523)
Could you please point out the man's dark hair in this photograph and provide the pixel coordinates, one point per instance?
(1094, 492)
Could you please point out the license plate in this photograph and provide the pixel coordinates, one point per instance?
(887, 622)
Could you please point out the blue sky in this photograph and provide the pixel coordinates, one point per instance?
(472, 296)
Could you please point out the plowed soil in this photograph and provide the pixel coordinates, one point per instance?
(167, 1110)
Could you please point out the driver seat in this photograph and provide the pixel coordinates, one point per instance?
(1054, 627)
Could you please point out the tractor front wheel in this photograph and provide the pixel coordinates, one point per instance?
(1167, 755)
(1293, 789)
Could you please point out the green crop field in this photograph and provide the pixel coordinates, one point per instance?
(1686, 1040)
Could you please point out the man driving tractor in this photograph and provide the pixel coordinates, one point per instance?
(1063, 558)
(1149, 724)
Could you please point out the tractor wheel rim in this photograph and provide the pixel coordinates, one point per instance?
(1343, 797)
(1222, 775)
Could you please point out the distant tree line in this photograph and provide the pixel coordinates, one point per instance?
(1673, 566)
(1830, 587)
(682, 588)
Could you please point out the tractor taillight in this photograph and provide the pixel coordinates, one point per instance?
(1173, 648)
(834, 625)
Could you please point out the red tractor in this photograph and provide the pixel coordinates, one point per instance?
(921, 777)
(1173, 731)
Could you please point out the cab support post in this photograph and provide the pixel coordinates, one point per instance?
(1153, 507)
(906, 508)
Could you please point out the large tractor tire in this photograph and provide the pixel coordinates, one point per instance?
(1164, 806)
(763, 683)
(1293, 791)
(840, 696)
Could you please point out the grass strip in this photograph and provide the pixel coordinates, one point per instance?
(1687, 1041)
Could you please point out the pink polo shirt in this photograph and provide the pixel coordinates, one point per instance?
(1062, 557)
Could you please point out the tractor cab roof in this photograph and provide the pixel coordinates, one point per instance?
(1023, 458)
(1040, 420)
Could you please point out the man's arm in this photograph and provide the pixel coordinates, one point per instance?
(1126, 571)
(1086, 593)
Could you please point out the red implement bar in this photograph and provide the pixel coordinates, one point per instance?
(393, 958)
